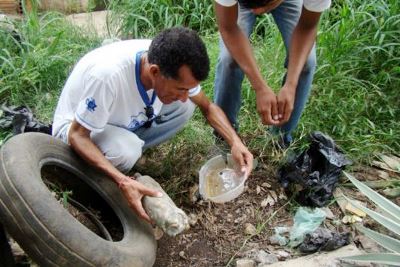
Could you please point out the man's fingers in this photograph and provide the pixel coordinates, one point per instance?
(288, 112)
(281, 109)
(149, 192)
(274, 111)
(138, 207)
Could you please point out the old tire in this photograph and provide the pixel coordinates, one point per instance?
(46, 231)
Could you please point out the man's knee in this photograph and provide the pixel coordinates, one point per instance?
(125, 152)
(187, 109)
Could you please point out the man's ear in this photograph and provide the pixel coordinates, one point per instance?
(154, 70)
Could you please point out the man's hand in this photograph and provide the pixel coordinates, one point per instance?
(285, 101)
(242, 156)
(267, 106)
(134, 192)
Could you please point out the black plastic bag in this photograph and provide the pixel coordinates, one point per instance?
(21, 120)
(313, 174)
(324, 240)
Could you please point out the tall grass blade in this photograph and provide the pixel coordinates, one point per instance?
(388, 223)
(379, 200)
(385, 241)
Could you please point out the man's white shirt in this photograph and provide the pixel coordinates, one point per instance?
(102, 90)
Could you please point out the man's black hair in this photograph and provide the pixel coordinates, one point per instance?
(254, 3)
(174, 47)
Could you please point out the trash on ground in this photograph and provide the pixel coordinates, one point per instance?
(324, 240)
(278, 238)
(305, 221)
(20, 119)
(260, 257)
(312, 176)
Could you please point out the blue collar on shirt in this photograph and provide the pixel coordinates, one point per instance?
(139, 84)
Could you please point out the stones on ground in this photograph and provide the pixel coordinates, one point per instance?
(192, 219)
(245, 263)
(261, 257)
(258, 190)
(282, 255)
(267, 185)
(182, 254)
(250, 229)
(269, 201)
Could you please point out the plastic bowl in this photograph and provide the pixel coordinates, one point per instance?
(226, 185)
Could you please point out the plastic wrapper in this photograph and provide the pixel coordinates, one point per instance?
(324, 240)
(21, 120)
(313, 175)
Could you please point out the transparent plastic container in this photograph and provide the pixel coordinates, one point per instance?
(219, 180)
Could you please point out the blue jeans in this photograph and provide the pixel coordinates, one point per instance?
(229, 76)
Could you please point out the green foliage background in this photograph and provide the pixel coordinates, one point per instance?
(355, 90)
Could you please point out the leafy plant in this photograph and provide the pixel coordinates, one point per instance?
(389, 219)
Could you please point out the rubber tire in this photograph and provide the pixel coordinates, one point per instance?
(44, 229)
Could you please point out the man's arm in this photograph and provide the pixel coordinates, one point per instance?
(239, 47)
(302, 41)
(79, 138)
(218, 120)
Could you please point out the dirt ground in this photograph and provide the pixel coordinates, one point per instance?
(222, 233)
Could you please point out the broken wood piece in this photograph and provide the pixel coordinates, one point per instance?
(162, 210)
(350, 208)
(346, 206)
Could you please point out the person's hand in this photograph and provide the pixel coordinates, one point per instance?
(242, 156)
(267, 106)
(134, 192)
(285, 101)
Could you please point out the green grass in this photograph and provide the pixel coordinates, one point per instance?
(354, 97)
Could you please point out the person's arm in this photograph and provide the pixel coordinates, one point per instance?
(301, 44)
(218, 120)
(79, 139)
(239, 47)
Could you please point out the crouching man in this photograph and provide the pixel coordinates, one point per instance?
(131, 95)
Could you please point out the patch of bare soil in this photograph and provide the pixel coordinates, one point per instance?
(219, 230)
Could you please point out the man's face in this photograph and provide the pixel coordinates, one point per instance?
(169, 90)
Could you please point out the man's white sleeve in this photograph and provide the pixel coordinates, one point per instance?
(317, 5)
(95, 105)
(194, 91)
(226, 2)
